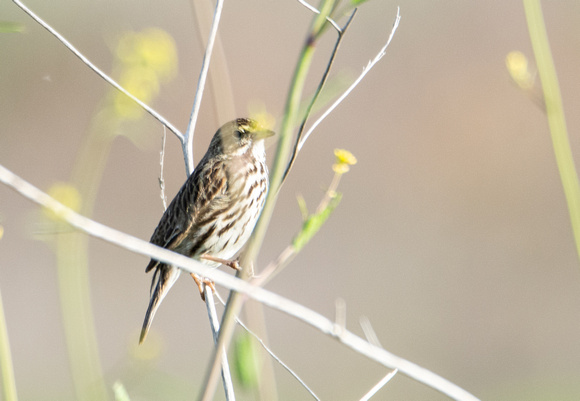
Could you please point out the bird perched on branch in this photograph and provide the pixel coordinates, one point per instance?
(215, 211)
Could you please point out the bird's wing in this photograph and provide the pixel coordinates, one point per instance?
(203, 194)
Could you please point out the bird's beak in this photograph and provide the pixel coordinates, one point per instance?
(263, 134)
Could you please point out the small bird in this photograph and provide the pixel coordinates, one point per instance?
(215, 211)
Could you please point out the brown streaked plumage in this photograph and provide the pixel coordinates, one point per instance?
(215, 211)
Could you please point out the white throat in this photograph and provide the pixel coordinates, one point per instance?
(259, 151)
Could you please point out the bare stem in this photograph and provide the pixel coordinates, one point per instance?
(379, 385)
(366, 70)
(316, 11)
(188, 142)
(235, 302)
(215, 328)
(219, 75)
(341, 33)
(266, 297)
(276, 266)
(100, 73)
(272, 354)
(161, 178)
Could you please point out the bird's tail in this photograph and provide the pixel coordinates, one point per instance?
(165, 280)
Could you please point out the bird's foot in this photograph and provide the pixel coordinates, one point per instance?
(201, 283)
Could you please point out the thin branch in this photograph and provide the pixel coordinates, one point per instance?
(269, 351)
(370, 334)
(187, 148)
(379, 385)
(161, 162)
(235, 301)
(100, 73)
(219, 76)
(365, 71)
(268, 298)
(339, 315)
(215, 329)
(275, 266)
(341, 33)
(290, 251)
(316, 11)
(188, 143)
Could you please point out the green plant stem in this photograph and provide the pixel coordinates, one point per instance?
(315, 97)
(72, 255)
(285, 142)
(6, 367)
(79, 328)
(235, 301)
(555, 113)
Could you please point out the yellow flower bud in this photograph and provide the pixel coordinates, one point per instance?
(517, 65)
(344, 159)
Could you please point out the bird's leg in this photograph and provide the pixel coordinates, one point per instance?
(201, 283)
(230, 263)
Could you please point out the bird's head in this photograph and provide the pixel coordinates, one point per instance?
(240, 136)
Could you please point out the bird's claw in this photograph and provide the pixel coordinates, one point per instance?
(201, 283)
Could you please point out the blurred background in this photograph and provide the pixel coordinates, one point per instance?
(452, 237)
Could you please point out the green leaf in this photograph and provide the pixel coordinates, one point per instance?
(246, 363)
(302, 206)
(356, 3)
(313, 224)
(11, 27)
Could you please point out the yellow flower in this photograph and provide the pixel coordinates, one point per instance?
(157, 50)
(144, 60)
(152, 48)
(344, 159)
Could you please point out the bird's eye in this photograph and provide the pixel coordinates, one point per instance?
(241, 131)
